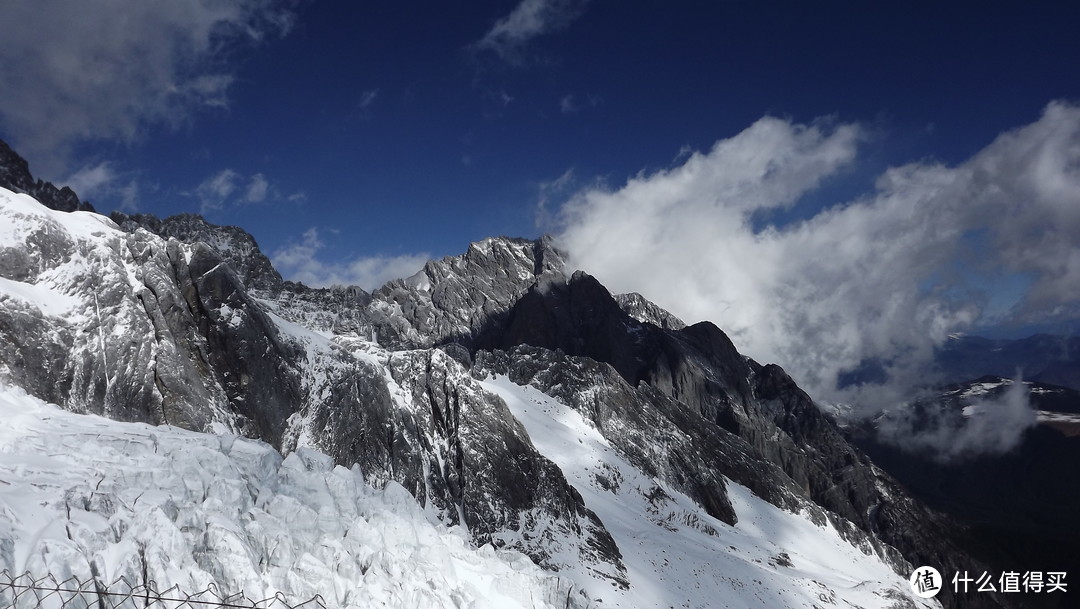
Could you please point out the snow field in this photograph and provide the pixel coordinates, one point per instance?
(81, 494)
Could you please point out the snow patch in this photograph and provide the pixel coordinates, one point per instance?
(978, 389)
(48, 300)
(1046, 416)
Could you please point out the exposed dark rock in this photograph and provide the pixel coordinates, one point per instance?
(459, 451)
(15, 176)
(256, 370)
(337, 310)
(660, 436)
(122, 348)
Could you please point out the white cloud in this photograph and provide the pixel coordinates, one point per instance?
(886, 276)
(993, 426)
(550, 191)
(529, 19)
(572, 104)
(215, 190)
(257, 189)
(229, 188)
(101, 181)
(90, 180)
(129, 196)
(567, 105)
(74, 73)
(368, 98)
(299, 261)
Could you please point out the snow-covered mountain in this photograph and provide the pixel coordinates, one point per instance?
(522, 407)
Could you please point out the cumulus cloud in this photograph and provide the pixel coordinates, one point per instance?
(881, 278)
(986, 426)
(74, 73)
(298, 261)
(529, 20)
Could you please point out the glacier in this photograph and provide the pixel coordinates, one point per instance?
(85, 496)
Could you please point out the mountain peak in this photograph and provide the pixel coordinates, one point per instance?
(454, 298)
(235, 245)
(15, 176)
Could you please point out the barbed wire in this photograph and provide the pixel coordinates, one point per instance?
(26, 591)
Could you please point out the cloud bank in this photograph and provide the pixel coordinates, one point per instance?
(884, 277)
(299, 261)
(74, 72)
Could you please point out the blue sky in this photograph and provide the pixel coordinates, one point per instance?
(356, 139)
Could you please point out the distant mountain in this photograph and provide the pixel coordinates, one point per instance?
(647, 462)
(1021, 504)
(1042, 357)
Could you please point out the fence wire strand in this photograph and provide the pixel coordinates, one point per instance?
(25, 591)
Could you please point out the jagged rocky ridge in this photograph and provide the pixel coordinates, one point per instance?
(181, 322)
(15, 176)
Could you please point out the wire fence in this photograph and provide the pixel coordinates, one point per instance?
(25, 591)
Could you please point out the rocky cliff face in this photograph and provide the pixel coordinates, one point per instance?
(177, 321)
(135, 327)
(233, 244)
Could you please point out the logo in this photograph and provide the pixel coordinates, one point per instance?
(925, 582)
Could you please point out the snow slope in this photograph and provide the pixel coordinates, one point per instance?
(80, 494)
(94, 237)
(677, 555)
